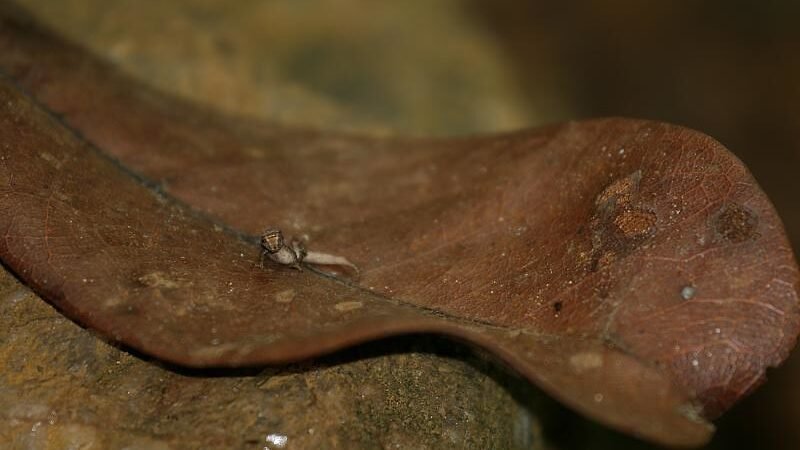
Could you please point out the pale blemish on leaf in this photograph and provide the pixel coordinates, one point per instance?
(348, 306)
(582, 362)
(285, 296)
(158, 280)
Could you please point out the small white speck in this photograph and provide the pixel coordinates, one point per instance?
(622, 151)
(688, 292)
(717, 331)
(278, 440)
(598, 397)
(695, 363)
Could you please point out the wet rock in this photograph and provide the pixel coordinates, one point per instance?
(66, 388)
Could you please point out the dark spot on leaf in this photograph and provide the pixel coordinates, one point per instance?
(635, 223)
(735, 223)
(620, 223)
(622, 190)
(557, 307)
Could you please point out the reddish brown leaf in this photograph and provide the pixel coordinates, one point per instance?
(632, 269)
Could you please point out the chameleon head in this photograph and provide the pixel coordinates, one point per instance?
(272, 241)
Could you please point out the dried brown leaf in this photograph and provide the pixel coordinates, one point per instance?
(632, 269)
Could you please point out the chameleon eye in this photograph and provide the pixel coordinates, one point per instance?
(272, 240)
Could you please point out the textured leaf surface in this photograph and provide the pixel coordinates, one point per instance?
(632, 269)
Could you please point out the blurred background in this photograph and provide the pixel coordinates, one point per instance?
(730, 69)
